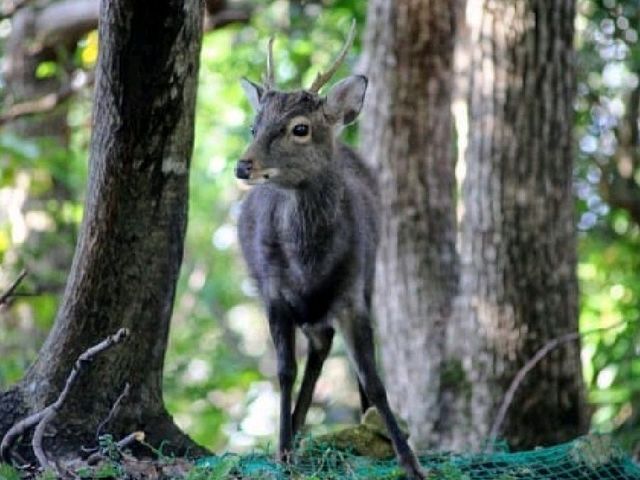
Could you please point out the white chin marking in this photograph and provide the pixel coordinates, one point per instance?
(263, 176)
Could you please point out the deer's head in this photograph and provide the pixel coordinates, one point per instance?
(294, 132)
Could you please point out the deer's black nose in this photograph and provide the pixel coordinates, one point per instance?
(243, 169)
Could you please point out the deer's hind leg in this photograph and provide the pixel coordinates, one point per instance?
(358, 335)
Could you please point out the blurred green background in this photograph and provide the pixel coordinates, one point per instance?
(220, 366)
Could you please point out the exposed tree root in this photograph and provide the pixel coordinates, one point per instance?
(67, 448)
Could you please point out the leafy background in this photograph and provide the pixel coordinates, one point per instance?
(220, 365)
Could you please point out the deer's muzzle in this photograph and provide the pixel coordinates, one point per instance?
(243, 169)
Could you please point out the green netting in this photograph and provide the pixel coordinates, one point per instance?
(591, 457)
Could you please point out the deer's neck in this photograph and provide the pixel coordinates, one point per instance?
(313, 210)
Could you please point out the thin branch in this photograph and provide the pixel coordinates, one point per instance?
(4, 298)
(52, 410)
(50, 101)
(226, 17)
(43, 417)
(517, 380)
(137, 436)
(114, 410)
(528, 366)
(16, 431)
(9, 8)
(64, 21)
(38, 435)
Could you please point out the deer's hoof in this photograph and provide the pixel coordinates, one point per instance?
(413, 469)
(285, 456)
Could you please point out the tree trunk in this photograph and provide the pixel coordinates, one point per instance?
(518, 244)
(406, 134)
(131, 242)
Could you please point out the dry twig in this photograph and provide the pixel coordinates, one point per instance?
(137, 436)
(114, 410)
(50, 101)
(526, 368)
(38, 435)
(10, 7)
(225, 17)
(45, 416)
(4, 298)
(52, 410)
(18, 429)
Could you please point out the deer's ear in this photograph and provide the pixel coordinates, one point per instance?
(345, 99)
(253, 91)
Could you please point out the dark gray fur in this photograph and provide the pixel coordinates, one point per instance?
(309, 235)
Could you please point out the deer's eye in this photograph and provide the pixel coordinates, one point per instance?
(253, 131)
(300, 130)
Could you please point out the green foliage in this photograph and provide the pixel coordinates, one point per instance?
(609, 65)
(610, 274)
(108, 447)
(48, 474)
(7, 472)
(107, 470)
(46, 70)
(218, 471)
(40, 196)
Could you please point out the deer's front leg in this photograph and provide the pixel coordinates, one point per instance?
(282, 327)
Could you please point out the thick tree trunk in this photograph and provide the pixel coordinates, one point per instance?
(407, 136)
(518, 257)
(131, 241)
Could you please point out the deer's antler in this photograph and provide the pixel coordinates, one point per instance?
(323, 78)
(269, 79)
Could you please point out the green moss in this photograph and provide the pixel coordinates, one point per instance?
(594, 450)
(369, 439)
(360, 439)
(453, 377)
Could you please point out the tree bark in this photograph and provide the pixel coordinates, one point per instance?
(130, 246)
(406, 134)
(518, 243)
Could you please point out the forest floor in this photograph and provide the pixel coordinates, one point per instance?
(589, 457)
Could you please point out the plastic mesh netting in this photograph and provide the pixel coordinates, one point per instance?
(592, 457)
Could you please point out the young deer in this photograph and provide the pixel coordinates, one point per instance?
(308, 232)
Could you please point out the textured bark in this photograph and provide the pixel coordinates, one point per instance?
(407, 137)
(518, 258)
(131, 241)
